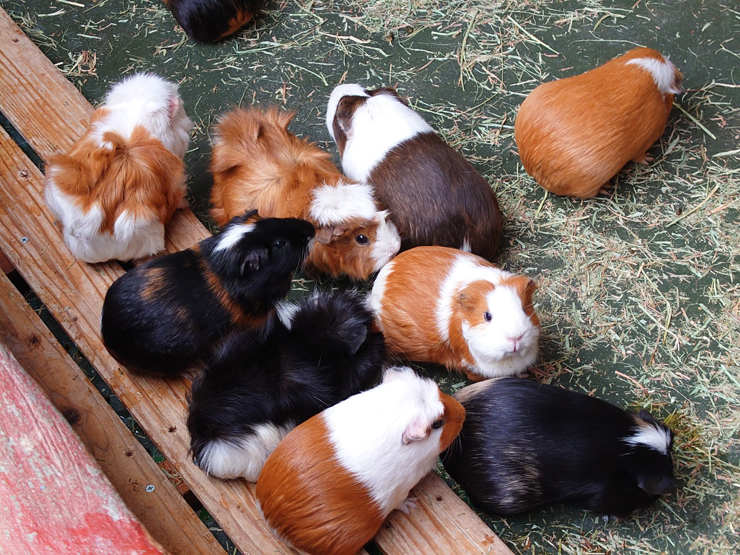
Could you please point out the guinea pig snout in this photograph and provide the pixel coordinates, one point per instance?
(515, 343)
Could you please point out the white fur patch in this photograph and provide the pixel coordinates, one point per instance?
(339, 92)
(232, 235)
(387, 242)
(465, 247)
(244, 457)
(380, 124)
(375, 298)
(652, 436)
(338, 203)
(285, 312)
(662, 72)
(366, 431)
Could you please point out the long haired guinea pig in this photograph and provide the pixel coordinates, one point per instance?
(524, 444)
(165, 316)
(258, 163)
(575, 134)
(434, 195)
(121, 182)
(441, 305)
(330, 484)
(261, 383)
(212, 20)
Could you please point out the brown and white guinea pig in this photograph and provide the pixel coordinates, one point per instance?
(575, 134)
(122, 181)
(434, 195)
(212, 20)
(262, 382)
(258, 163)
(441, 305)
(166, 316)
(333, 480)
(524, 444)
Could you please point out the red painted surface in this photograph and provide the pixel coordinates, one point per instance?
(54, 499)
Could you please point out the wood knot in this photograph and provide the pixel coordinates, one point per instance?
(128, 453)
(439, 498)
(171, 429)
(33, 342)
(72, 415)
(23, 174)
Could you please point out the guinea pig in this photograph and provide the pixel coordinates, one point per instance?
(258, 163)
(261, 383)
(212, 20)
(333, 480)
(123, 179)
(434, 195)
(524, 444)
(575, 134)
(441, 305)
(165, 316)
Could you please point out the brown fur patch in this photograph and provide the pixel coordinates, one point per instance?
(156, 279)
(241, 18)
(311, 500)
(454, 415)
(342, 254)
(342, 123)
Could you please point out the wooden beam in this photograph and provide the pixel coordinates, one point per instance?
(128, 466)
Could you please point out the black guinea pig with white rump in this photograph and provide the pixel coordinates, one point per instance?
(165, 316)
(434, 195)
(212, 20)
(524, 444)
(261, 383)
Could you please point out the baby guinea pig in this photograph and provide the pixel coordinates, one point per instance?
(121, 182)
(258, 163)
(212, 20)
(261, 383)
(524, 444)
(441, 305)
(434, 195)
(165, 316)
(333, 480)
(575, 134)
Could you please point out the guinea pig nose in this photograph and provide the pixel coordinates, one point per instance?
(515, 342)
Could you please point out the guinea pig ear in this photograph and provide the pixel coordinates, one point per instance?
(465, 301)
(173, 107)
(417, 431)
(324, 235)
(655, 485)
(253, 261)
(646, 416)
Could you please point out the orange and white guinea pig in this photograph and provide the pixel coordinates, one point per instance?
(121, 182)
(441, 305)
(333, 480)
(575, 134)
(258, 164)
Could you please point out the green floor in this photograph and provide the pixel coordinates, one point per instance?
(639, 297)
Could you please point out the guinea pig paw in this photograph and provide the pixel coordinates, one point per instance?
(407, 505)
(643, 160)
(610, 518)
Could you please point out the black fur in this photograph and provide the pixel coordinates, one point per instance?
(524, 444)
(165, 316)
(279, 375)
(212, 20)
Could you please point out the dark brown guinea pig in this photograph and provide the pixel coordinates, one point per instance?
(212, 20)
(434, 195)
(166, 316)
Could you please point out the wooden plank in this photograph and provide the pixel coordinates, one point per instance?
(128, 466)
(5, 266)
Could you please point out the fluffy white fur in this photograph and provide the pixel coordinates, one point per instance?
(387, 241)
(232, 235)
(341, 202)
(285, 312)
(381, 123)
(375, 297)
(340, 91)
(651, 436)
(367, 433)
(245, 457)
(662, 72)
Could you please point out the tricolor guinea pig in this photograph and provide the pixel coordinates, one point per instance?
(524, 444)
(441, 305)
(261, 383)
(257, 163)
(575, 134)
(212, 20)
(122, 181)
(165, 316)
(333, 480)
(434, 195)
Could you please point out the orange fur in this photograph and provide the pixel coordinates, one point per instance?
(454, 415)
(575, 134)
(306, 495)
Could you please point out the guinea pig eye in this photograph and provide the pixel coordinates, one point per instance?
(362, 239)
(487, 316)
(437, 424)
(280, 243)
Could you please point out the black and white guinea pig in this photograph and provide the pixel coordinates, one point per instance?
(165, 316)
(524, 444)
(261, 383)
(434, 195)
(212, 20)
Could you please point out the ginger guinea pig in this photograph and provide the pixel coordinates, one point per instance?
(212, 20)
(434, 195)
(258, 164)
(333, 480)
(524, 444)
(261, 383)
(165, 316)
(123, 179)
(441, 305)
(575, 134)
